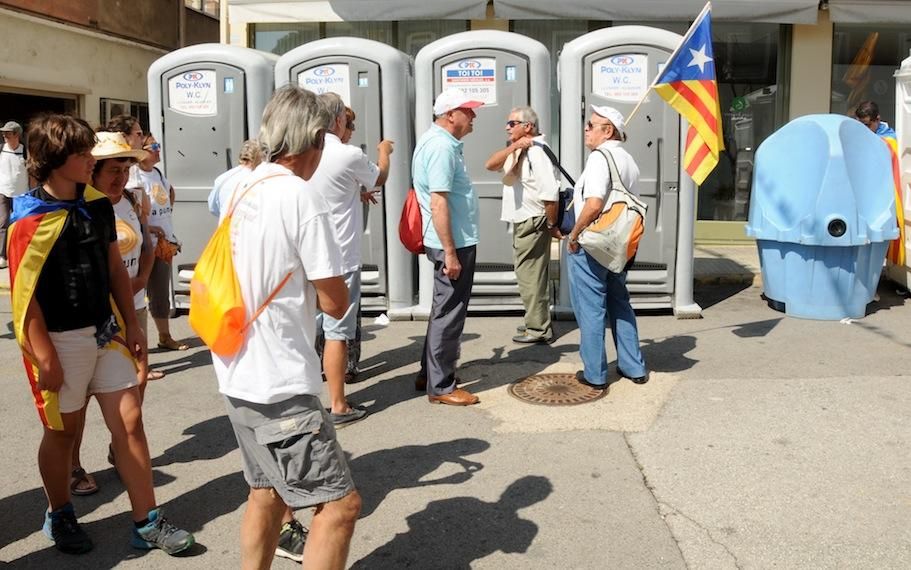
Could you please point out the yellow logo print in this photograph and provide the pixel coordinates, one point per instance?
(160, 195)
(127, 240)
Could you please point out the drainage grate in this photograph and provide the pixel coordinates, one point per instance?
(554, 390)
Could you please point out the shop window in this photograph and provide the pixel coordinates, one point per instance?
(864, 57)
(752, 92)
(112, 107)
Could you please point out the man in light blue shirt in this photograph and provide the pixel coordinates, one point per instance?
(444, 191)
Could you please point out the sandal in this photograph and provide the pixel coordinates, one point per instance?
(171, 344)
(83, 483)
(155, 375)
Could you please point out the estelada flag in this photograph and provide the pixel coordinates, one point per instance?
(688, 84)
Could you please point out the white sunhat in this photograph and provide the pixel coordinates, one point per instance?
(114, 145)
(453, 99)
(612, 115)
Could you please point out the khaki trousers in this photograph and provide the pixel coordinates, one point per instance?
(531, 245)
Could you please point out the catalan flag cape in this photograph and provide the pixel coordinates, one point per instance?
(688, 84)
(896, 252)
(34, 229)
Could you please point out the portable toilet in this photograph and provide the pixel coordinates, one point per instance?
(376, 81)
(204, 102)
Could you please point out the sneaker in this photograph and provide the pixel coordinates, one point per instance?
(62, 529)
(349, 417)
(159, 533)
(291, 541)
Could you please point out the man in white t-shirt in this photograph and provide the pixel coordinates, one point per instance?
(291, 457)
(13, 177)
(342, 172)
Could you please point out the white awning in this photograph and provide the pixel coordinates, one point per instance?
(775, 11)
(256, 11)
(870, 11)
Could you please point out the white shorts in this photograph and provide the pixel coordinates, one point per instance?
(88, 369)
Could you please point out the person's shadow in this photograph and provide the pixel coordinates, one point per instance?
(377, 474)
(212, 439)
(452, 533)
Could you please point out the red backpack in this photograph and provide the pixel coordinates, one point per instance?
(411, 224)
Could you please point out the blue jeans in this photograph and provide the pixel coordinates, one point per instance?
(600, 299)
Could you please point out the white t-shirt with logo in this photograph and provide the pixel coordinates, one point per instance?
(157, 187)
(342, 171)
(129, 241)
(281, 225)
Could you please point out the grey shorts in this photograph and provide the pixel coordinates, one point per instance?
(290, 446)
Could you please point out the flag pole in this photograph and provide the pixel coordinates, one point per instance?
(706, 8)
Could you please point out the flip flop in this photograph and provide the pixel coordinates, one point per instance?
(171, 344)
(80, 477)
(155, 375)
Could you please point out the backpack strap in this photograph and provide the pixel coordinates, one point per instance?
(232, 205)
(616, 182)
(553, 159)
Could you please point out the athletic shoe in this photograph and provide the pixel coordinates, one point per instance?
(61, 527)
(159, 533)
(291, 541)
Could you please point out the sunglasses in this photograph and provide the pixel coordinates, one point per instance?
(154, 147)
(511, 124)
(350, 126)
(590, 125)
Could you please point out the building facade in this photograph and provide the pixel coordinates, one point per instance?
(90, 57)
(775, 60)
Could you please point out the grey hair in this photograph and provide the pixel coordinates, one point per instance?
(527, 115)
(334, 104)
(251, 153)
(292, 122)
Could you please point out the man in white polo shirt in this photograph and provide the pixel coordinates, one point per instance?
(530, 192)
(341, 173)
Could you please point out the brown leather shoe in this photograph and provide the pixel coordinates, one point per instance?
(458, 397)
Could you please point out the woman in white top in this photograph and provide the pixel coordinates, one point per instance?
(160, 193)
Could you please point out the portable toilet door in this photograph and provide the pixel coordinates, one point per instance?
(504, 70)
(204, 102)
(375, 80)
(615, 67)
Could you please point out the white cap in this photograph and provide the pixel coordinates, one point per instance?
(612, 115)
(453, 99)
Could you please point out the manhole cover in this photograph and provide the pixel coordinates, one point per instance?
(554, 390)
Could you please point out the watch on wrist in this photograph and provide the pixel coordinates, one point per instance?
(573, 240)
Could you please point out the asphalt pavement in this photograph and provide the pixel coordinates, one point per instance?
(760, 441)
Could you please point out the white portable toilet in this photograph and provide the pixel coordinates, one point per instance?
(902, 273)
(204, 102)
(504, 70)
(615, 67)
(376, 81)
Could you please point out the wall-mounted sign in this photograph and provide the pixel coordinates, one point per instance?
(621, 77)
(193, 93)
(476, 77)
(328, 78)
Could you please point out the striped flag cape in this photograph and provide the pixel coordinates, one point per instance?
(688, 84)
(896, 253)
(34, 228)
